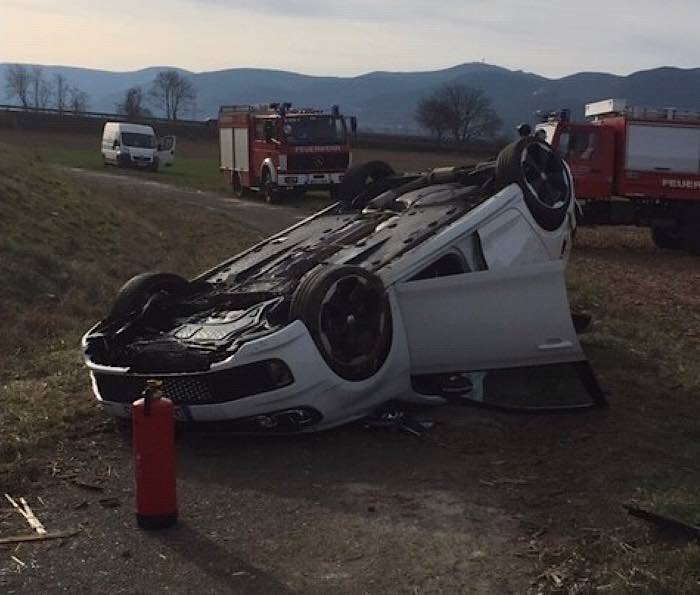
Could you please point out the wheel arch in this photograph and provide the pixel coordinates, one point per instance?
(268, 164)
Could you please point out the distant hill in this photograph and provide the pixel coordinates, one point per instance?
(386, 101)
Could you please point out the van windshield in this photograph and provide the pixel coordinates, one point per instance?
(140, 141)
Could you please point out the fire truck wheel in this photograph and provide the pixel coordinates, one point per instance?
(239, 190)
(347, 312)
(692, 236)
(667, 239)
(269, 188)
(138, 290)
(362, 182)
(542, 177)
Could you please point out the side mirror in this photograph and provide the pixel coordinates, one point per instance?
(353, 124)
(116, 144)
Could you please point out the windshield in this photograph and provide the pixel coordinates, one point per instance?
(314, 130)
(140, 141)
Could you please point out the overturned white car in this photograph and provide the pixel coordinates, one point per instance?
(410, 288)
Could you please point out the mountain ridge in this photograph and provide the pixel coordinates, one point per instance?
(386, 100)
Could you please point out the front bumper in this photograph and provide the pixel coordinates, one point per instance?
(316, 180)
(128, 160)
(316, 398)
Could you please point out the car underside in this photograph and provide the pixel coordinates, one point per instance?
(407, 279)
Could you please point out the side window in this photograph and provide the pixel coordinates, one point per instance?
(259, 129)
(449, 264)
(580, 144)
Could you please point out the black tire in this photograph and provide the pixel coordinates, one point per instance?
(362, 182)
(296, 194)
(667, 239)
(239, 191)
(691, 237)
(347, 312)
(268, 187)
(136, 292)
(541, 175)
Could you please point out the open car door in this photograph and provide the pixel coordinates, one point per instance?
(510, 312)
(488, 320)
(166, 150)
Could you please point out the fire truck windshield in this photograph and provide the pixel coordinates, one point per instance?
(314, 130)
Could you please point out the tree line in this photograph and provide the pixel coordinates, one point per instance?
(170, 91)
(31, 88)
(460, 112)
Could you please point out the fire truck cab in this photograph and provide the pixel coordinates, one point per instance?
(635, 165)
(279, 150)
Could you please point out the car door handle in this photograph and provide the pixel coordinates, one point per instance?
(553, 344)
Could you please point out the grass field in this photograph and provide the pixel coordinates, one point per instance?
(65, 249)
(63, 254)
(197, 162)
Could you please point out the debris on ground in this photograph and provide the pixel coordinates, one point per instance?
(39, 537)
(665, 522)
(397, 420)
(27, 513)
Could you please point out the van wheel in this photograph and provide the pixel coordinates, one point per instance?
(348, 315)
(542, 177)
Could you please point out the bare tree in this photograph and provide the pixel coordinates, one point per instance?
(172, 92)
(17, 83)
(432, 114)
(465, 112)
(132, 105)
(77, 100)
(61, 92)
(40, 88)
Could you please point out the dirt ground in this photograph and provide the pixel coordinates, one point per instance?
(486, 503)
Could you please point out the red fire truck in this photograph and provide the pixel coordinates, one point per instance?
(279, 150)
(635, 165)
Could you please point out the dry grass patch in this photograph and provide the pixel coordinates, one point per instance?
(64, 252)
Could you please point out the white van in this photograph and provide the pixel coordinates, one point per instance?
(135, 145)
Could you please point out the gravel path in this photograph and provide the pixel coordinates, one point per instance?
(253, 212)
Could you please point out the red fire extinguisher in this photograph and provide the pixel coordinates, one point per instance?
(153, 423)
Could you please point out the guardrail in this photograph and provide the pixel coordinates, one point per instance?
(50, 119)
(95, 115)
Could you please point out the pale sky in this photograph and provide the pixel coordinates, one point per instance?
(348, 37)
